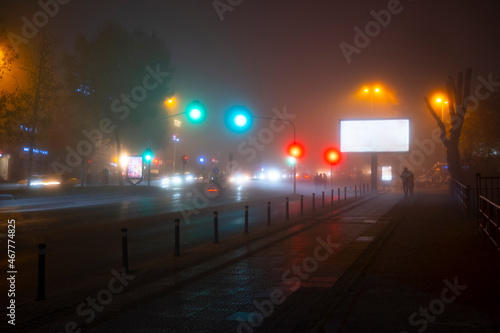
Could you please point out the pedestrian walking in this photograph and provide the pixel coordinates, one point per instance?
(408, 181)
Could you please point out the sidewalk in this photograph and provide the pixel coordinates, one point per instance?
(433, 273)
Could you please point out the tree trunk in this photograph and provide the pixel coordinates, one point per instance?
(458, 95)
(36, 104)
(119, 154)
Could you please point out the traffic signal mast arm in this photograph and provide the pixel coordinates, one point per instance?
(174, 115)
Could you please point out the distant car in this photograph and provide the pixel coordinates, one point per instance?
(178, 180)
(436, 176)
(60, 180)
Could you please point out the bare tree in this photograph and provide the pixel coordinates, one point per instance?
(37, 87)
(105, 69)
(7, 54)
(458, 94)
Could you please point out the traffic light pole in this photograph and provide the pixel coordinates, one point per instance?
(149, 172)
(331, 175)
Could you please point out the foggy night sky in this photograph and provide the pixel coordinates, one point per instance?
(276, 53)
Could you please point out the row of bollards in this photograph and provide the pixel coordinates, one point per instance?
(125, 260)
(287, 212)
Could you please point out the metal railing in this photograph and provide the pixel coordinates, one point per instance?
(483, 201)
(489, 218)
(489, 187)
(462, 194)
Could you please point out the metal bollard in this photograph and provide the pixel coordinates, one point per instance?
(345, 193)
(287, 206)
(355, 191)
(364, 189)
(216, 227)
(301, 204)
(177, 250)
(269, 213)
(338, 195)
(331, 199)
(314, 201)
(246, 219)
(40, 296)
(124, 251)
(323, 199)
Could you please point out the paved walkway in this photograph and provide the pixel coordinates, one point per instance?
(432, 274)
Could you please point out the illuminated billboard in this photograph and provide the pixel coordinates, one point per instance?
(374, 135)
(134, 167)
(387, 173)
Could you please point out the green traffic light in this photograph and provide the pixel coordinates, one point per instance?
(196, 112)
(238, 119)
(148, 155)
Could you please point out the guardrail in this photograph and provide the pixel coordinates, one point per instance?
(489, 187)
(462, 193)
(489, 221)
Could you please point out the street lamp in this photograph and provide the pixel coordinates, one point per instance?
(170, 102)
(440, 101)
(371, 91)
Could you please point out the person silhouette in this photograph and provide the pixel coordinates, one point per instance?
(408, 181)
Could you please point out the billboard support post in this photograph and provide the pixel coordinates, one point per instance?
(374, 176)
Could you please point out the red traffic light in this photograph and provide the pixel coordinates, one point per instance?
(332, 156)
(296, 150)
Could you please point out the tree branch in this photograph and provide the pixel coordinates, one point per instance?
(452, 95)
(440, 123)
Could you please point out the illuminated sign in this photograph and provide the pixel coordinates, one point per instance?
(36, 151)
(387, 173)
(374, 135)
(134, 167)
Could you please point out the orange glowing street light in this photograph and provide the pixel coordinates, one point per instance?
(371, 91)
(442, 102)
(170, 102)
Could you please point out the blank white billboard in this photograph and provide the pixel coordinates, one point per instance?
(375, 135)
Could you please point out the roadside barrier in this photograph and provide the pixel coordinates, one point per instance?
(269, 213)
(124, 251)
(216, 227)
(462, 193)
(246, 220)
(287, 217)
(177, 251)
(41, 272)
(487, 202)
